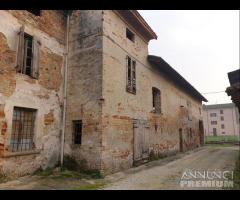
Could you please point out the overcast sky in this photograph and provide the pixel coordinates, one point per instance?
(203, 46)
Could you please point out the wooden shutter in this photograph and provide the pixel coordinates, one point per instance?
(35, 64)
(133, 76)
(20, 51)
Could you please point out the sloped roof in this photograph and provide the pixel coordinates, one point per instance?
(172, 74)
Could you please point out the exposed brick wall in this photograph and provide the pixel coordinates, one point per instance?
(50, 75)
(43, 94)
(52, 22)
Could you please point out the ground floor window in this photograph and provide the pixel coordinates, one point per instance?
(22, 129)
(77, 131)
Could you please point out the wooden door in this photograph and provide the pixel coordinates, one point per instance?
(180, 140)
(141, 140)
(201, 132)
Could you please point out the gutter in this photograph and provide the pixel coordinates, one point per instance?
(65, 89)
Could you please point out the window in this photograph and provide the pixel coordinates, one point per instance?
(189, 108)
(190, 136)
(213, 114)
(222, 126)
(222, 118)
(214, 131)
(28, 54)
(131, 75)
(156, 95)
(35, 12)
(221, 111)
(130, 35)
(22, 129)
(223, 132)
(77, 131)
(213, 122)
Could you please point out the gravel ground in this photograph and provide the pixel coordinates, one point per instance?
(159, 174)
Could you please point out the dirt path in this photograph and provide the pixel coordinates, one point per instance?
(160, 174)
(157, 175)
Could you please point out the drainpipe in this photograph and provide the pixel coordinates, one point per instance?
(65, 89)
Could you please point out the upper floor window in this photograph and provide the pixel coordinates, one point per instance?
(156, 95)
(35, 12)
(213, 114)
(130, 35)
(131, 75)
(213, 122)
(222, 118)
(189, 108)
(221, 111)
(28, 54)
(222, 126)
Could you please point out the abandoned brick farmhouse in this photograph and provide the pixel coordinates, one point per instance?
(81, 83)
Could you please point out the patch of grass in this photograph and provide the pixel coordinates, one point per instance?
(47, 172)
(222, 138)
(220, 145)
(70, 169)
(236, 174)
(90, 187)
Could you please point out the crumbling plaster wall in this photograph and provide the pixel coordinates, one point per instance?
(44, 94)
(120, 107)
(85, 86)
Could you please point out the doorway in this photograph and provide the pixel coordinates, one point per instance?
(141, 130)
(180, 140)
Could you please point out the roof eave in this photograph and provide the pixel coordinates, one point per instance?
(133, 18)
(175, 76)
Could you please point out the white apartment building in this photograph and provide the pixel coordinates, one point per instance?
(221, 119)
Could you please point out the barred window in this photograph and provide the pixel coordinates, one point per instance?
(77, 131)
(22, 129)
(131, 76)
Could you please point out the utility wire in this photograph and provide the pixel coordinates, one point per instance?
(213, 92)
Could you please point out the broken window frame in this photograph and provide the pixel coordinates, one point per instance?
(77, 127)
(131, 75)
(156, 100)
(23, 129)
(130, 35)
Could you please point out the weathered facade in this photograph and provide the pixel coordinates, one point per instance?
(43, 94)
(123, 106)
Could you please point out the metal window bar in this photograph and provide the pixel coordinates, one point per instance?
(77, 131)
(22, 129)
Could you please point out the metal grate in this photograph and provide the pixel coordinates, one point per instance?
(22, 129)
(77, 131)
